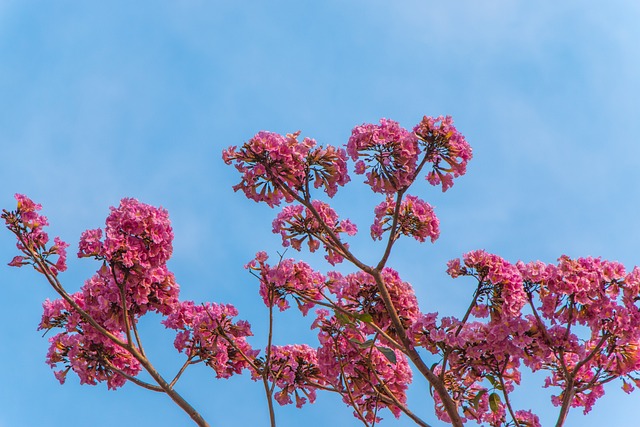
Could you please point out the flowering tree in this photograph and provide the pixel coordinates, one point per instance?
(575, 320)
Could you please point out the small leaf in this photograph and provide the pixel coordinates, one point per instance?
(364, 317)
(476, 400)
(343, 318)
(494, 402)
(493, 381)
(365, 344)
(388, 353)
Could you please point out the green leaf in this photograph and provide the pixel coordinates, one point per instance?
(365, 344)
(494, 402)
(494, 382)
(388, 353)
(343, 318)
(364, 317)
(476, 400)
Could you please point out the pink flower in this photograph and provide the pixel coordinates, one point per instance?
(296, 224)
(90, 244)
(358, 293)
(274, 166)
(208, 332)
(60, 248)
(17, 261)
(349, 360)
(390, 154)
(415, 218)
(443, 144)
(294, 369)
(296, 280)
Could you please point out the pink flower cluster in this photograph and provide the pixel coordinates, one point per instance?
(481, 360)
(353, 358)
(585, 293)
(500, 287)
(28, 225)
(415, 218)
(208, 333)
(297, 223)
(274, 167)
(443, 144)
(133, 280)
(92, 356)
(390, 155)
(369, 375)
(582, 328)
(358, 293)
(288, 278)
(137, 245)
(294, 369)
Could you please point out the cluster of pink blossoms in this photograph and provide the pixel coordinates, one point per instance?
(415, 218)
(269, 162)
(92, 356)
(350, 346)
(294, 369)
(585, 293)
(564, 300)
(500, 285)
(390, 154)
(358, 293)
(297, 223)
(369, 374)
(576, 319)
(137, 245)
(444, 144)
(208, 333)
(132, 281)
(26, 223)
(288, 278)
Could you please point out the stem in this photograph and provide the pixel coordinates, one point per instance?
(506, 395)
(437, 383)
(392, 232)
(446, 349)
(181, 371)
(354, 405)
(567, 397)
(123, 301)
(136, 381)
(267, 365)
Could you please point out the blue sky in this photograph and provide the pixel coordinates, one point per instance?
(104, 100)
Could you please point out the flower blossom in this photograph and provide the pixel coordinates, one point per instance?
(28, 226)
(500, 283)
(136, 247)
(443, 144)
(288, 278)
(373, 373)
(390, 154)
(275, 166)
(208, 333)
(82, 349)
(297, 223)
(415, 218)
(294, 369)
(358, 293)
